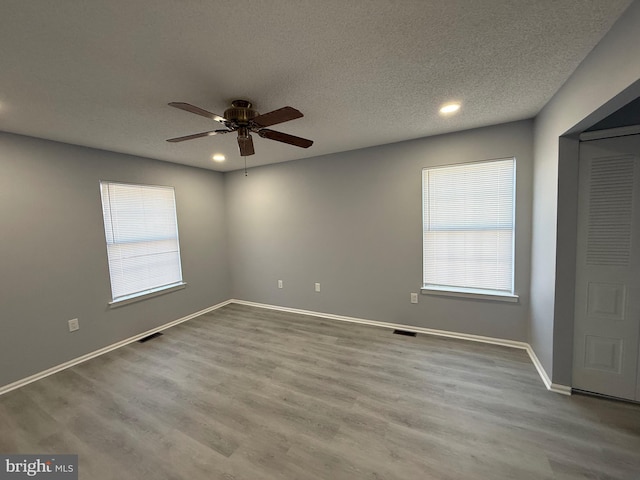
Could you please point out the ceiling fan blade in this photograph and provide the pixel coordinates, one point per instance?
(198, 111)
(246, 146)
(197, 135)
(281, 115)
(285, 138)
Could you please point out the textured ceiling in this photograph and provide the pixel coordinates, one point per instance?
(365, 72)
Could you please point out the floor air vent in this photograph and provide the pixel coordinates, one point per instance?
(150, 337)
(405, 333)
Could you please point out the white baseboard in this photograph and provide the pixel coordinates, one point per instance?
(553, 387)
(394, 326)
(561, 389)
(50, 371)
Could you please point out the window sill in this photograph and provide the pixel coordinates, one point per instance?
(138, 297)
(470, 293)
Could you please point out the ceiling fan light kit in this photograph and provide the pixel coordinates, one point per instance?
(244, 120)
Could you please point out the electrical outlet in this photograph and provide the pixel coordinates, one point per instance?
(317, 287)
(73, 325)
(414, 298)
(280, 285)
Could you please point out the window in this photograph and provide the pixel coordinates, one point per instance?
(468, 228)
(142, 239)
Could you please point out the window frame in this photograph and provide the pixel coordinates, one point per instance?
(471, 292)
(147, 292)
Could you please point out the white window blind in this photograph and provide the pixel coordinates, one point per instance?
(142, 238)
(468, 226)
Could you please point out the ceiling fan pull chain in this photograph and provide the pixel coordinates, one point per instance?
(245, 166)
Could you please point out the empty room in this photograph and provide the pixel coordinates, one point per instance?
(280, 239)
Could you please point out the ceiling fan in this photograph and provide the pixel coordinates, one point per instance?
(245, 120)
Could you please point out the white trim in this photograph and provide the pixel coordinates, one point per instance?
(50, 371)
(561, 389)
(541, 371)
(394, 326)
(553, 387)
(610, 132)
(470, 293)
(138, 297)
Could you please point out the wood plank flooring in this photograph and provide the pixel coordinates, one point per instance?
(250, 394)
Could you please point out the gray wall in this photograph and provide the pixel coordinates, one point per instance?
(604, 82)
(352, 221)
(53, 252)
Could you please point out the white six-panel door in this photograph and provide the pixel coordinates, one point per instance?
(607, 299)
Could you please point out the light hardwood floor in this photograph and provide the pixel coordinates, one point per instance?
(253, 394)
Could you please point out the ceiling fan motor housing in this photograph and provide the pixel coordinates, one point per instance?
(240, 113)
(244, 120)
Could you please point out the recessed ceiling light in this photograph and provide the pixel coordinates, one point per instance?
(218, 157)
(449, 108)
